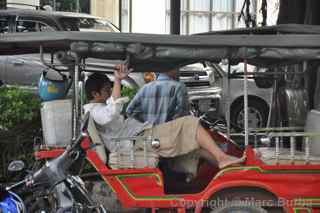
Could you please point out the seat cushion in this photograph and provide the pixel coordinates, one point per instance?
(124, 160)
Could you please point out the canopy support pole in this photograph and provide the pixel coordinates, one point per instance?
(228, 101)
(245, 97)
(175, 7)
(76, 97)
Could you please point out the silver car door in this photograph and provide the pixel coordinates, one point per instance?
(23, 70)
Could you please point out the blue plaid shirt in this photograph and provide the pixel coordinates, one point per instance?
(160, 101)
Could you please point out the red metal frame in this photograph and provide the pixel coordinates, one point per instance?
(297, 186)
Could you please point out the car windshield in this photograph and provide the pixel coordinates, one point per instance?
(92, 24)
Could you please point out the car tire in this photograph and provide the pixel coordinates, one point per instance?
(239, 207)
(258, 114)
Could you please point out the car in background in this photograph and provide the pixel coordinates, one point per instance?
(25, 20)
(25, 70)
(207, 85)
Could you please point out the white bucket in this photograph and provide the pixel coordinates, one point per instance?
(56, 119)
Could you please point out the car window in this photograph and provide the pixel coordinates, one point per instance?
(32, 26)
(45, 28)
(26, 26)
(4, 25)
(70, 24)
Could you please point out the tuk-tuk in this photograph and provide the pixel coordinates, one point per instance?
(272, 179)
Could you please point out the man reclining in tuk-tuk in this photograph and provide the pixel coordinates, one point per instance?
(177, 137)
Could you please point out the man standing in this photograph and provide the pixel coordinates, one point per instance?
(160, 101)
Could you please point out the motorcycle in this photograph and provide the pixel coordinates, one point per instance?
(10, 202)
(51, 188)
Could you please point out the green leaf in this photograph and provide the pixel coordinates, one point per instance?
(17, 106)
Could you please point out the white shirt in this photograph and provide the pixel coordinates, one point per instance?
(110, 123)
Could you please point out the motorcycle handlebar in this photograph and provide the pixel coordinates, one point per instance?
(55, 170)
(23, 182)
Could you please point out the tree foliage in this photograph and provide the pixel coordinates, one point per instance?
(128, 92)
(3, 4)
(19, 126)
(17, 106)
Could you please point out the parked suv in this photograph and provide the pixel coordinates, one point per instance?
(207, 88)
(26, 69)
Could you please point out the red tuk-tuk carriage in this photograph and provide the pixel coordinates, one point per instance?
(272, 179)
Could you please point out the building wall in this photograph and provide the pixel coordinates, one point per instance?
(108, 9)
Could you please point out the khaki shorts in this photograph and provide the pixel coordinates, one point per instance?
(177, 137)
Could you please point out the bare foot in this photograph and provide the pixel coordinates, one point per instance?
(228, 160)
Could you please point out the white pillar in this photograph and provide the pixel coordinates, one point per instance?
(148, 16)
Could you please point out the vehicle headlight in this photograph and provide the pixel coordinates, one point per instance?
(149, 76)
(211, 79)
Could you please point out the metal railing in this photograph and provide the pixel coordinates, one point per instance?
(275, 138)
(130, 153)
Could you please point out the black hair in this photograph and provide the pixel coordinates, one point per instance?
(95, 83)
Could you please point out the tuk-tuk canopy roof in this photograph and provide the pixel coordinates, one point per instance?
(162, 52)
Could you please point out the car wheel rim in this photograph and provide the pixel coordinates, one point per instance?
(255, 118)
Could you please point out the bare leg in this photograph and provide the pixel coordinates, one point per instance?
(206, 142)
